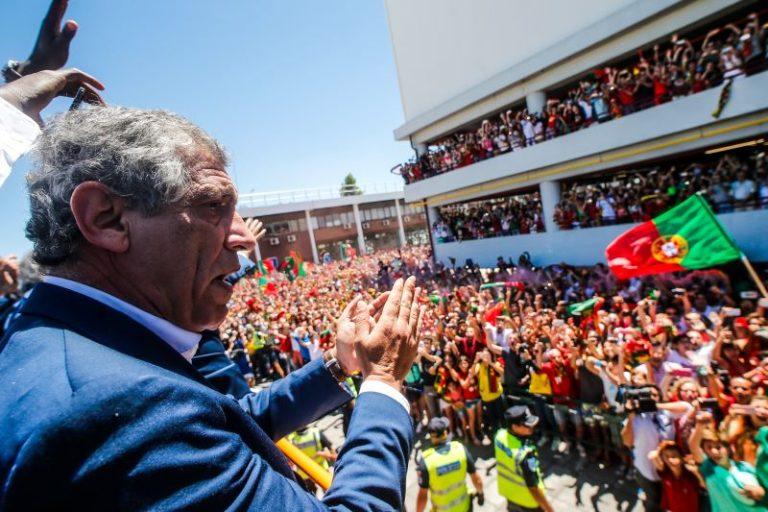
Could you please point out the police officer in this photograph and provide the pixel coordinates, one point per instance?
(517, 463)
(316, 446)
(443, 469)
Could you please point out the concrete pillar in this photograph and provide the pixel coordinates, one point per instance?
(432, 216)
(400, 228)
(311, 232)
(359, 226)
(536, 101)
(420, 148)
(550, 196)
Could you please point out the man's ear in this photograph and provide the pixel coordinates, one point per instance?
(100, 216)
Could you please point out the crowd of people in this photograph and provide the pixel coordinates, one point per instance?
(657, 75)
(731, 182)
(662, 377)
(512, 215)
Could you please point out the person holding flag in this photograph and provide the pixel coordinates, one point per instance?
(686, 237)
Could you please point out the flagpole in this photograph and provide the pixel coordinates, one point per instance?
(754, 276)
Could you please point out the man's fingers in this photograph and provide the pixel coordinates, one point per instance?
(347, 313)
(417, 329)
(69, 31)
(406, 300)
(392, 306)
(376, 306)
(413, 315)
(74, 75)
(363, 326)
(52, 20)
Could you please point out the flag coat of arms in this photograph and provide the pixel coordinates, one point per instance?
(687, 236)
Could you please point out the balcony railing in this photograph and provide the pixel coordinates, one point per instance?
(257, 199)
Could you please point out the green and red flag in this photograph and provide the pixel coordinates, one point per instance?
(688, 236)
(493, 314)
(293, 268)
(587, 307)
(265, 266)
(503, 284)
(267, 286)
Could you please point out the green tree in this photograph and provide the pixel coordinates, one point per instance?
(349, 186)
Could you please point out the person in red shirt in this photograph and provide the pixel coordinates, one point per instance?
(680, 487)
(470, 395)
(562, 378)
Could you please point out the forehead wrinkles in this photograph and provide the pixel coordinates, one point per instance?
(210, 183)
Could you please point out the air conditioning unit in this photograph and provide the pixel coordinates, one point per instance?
(366, 225)
(347, 226)
(274, 241)
(406, 218)
(385, 222)
(291, 238)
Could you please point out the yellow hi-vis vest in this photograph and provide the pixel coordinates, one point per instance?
(257, 342)
(510, 453)
(447, 478)
(350, 385)
(309, 443)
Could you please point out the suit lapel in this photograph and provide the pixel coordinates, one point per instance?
(106, 326)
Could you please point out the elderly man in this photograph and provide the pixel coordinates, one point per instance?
(133, 214)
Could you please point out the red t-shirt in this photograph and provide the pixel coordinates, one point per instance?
(468, 347)
(470, 392)
(285, 343)
(679, 494)
(561, 379)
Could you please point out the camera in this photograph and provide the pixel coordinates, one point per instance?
(641, 399)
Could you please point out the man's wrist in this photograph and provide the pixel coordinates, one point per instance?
(386, 379)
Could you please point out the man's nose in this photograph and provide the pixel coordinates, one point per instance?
(240, 237)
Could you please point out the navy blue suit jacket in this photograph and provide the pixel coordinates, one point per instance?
(212, 361)
(97, 413)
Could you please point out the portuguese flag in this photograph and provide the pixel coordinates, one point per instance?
(686, 237)
(266, 266)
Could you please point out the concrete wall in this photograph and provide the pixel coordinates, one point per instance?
(480, 38)
(455, 64)
(689, 118)
(587, 246)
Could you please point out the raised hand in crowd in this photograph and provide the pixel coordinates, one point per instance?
(255, 226)
(51, 49)
(9, 274)
(32, 93)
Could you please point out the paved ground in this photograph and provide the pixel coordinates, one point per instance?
(568, 487)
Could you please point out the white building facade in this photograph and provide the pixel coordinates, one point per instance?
(460, 62)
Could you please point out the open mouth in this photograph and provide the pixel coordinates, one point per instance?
(222, 279)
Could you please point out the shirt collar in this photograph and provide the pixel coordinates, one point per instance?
(184, 342)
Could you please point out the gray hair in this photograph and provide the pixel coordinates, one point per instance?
(143, 156)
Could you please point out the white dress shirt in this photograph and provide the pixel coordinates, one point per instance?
(17, 134)
(184, 342)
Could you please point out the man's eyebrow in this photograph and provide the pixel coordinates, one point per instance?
(208, 192)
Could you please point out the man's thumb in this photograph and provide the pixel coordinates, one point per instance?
(68, 31)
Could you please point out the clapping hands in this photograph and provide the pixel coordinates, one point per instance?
(381, 339)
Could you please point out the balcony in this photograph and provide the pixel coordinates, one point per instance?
(587, 246)
(641, 136)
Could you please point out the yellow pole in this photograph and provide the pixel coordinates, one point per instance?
(315, 471)
(754, 276)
